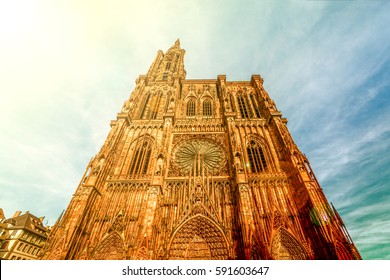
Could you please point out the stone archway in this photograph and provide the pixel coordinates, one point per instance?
(199, 238)
(286, 247)
(110, 248)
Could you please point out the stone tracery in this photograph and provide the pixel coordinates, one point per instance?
(286, 247)
(199, 155)
(111, 248)
(192, 241)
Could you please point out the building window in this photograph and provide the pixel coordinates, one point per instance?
(255, 106)
(191, 104)
(207, 108)
(243, 107)
(155, 104)
(232, 103)
(145, 105)
(141, 157)
(257, 162)
(165, 77)
(168, 66)
(5, 244)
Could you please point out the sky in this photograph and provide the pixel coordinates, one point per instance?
(66, 67)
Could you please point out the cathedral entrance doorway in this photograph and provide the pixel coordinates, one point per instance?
(199, 238)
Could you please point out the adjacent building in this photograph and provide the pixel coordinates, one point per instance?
(22, 237)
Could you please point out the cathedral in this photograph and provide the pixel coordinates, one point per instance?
(201, 169)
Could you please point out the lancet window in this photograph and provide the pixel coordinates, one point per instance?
(154, 106)
(191, 105)
(232, 103)
(244, 107)
(255, 106)
(207, 108)
(168, 65)
(144, 106)
(141, 158)
(256, 157)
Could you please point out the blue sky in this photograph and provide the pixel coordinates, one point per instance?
(66, 68)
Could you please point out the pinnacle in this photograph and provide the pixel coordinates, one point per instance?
(175, 46)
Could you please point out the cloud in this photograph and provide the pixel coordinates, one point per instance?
(67, 67)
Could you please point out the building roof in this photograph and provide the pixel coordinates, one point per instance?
(2, 217)
(27, 221)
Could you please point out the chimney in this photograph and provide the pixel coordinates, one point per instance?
(17, 214)
(2, 217)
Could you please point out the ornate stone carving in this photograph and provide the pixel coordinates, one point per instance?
(202, 154)
(194, 242)
(110, 248)
(199, 153)
(286, 247)
(117, 225)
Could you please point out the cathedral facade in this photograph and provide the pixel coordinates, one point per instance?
(198, 169)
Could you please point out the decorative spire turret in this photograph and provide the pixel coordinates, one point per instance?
(169, 66)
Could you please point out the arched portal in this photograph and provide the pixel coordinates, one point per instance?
(199, 238)
(110, 248)
(286, 247)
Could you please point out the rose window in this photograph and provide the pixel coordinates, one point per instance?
(199, 156)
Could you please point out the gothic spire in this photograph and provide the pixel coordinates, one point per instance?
(169, 66)
(177, 43)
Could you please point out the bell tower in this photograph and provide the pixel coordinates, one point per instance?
(198, 169)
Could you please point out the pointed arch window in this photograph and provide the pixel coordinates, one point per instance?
(191, 105)
(141, 158)
(155, 104)
(207, 108)
(243, 107)
(232, 103)
(256, 157)
(255, 106)
(144, 106)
